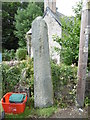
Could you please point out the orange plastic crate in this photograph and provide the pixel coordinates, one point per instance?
(15, 108)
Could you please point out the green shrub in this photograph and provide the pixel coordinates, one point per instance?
(28, 78)
(23, 20)
(12, 53)
(5, 55)
(87, 101)
(21, 54)
(64, 79)
(11, 76)
(8, 55)
(46, 112)
(64, 83)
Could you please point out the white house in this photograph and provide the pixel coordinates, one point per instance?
(52, 18)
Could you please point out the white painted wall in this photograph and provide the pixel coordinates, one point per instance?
(53, 29)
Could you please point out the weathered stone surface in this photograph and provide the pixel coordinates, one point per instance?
(87, 92)
(43, 89)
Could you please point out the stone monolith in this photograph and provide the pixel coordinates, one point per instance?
(43, 88)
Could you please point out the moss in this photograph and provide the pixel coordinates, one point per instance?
(46, 112)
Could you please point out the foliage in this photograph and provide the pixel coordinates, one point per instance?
(64, 79)
(9, 9)
(40, 4)
(21, 54)
(87, 101)
(11, 76)
(70, 40)
(24, 19)
(46, 112)
(70, 37)
(28, 78)
(8, 55)
(64, 83)
(78, 9)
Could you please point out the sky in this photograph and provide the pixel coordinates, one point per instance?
(65, 6)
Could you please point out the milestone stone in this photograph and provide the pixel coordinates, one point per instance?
(43, 88)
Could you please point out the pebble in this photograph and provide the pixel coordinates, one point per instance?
(81, 110)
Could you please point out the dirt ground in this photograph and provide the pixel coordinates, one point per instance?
(71, 112)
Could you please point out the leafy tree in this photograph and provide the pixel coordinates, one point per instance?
(78, 9)
(24, 18)
(10, 41)
(70, 37)
(70, 40)
(41, 5)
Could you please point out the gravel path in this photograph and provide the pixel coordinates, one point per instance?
(71, 112)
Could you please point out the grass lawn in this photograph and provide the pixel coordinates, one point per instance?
(45, 112)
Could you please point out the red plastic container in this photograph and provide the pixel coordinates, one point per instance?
(15, 108)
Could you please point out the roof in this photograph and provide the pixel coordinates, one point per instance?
(56, 15)
(29, 32)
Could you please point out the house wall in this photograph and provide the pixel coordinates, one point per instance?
(51, 4)
(53, 29)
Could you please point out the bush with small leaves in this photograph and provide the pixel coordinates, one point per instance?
(64, 82)
(21, 53)
(12, 75)
(8, 55)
